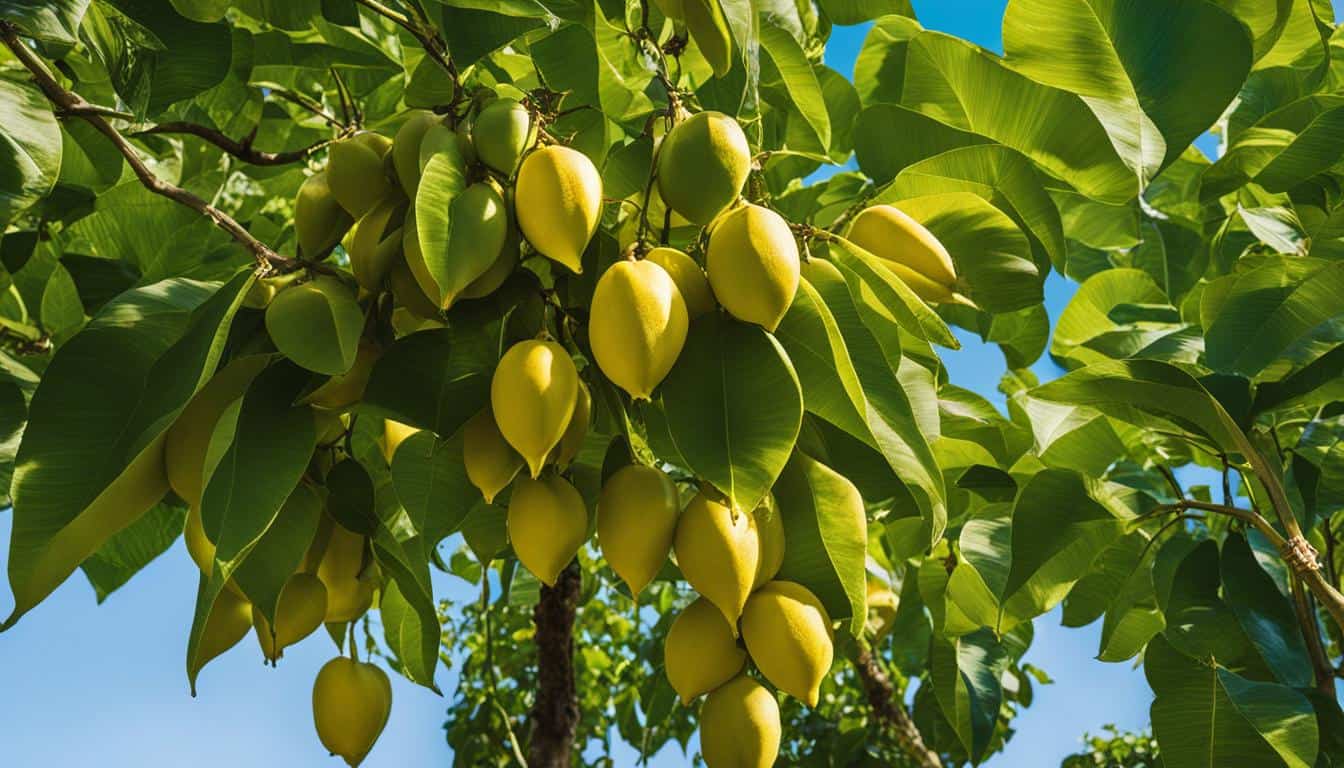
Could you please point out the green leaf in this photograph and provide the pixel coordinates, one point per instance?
(891, 294)
(799, 78)
(827, 534)
(1087, 317)
(126, 552)
(1264, 613)
(351, 499)
(965, 673)
(416, 630)
(1207, 716)
(280, 550)
(442, 179)
(883, 159)
(431, 484)
(734, 406)
(317, 325)
(1105, 580)
(485, 531)
(1199, 621)
(858, 11)
(1132, 613)
(406, 634)
(55, 21)
(30, 147)
(430, 380)
(1283, 149)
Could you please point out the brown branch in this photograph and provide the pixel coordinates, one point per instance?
(555, 715)
(1176, 490)
(70, 103)
(890, 712)
(309, 104)
(243, 150)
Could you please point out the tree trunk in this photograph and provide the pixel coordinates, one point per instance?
(890, 712)
(555, 717)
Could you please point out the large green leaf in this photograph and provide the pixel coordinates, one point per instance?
(55, 21)
(857, 11)
(431, 380)
(799, 79)
(882, 159)
(30, 148)
(1264, 613)
(431, 484)
(1205, 716)
(1283, 149)
(966, 676)
(280, 550)
(734, 406)
(134, 547)
(1199, 622)
(1132, 614)
(1157, 74)
(1088, 315)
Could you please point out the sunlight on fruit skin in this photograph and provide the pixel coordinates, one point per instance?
(319, 221)
(637, 325)
(576, 431)
(753, 265)
(770, 526)
(636, 522)
(547, 524)
(479, 233)
(345, 390)
(718, 554)
(189, 438)
(351, 703)
(709, 29)
(558, 203)
(229, 622)
(788, 634)
(689, 277)
(739, 726)
(533, 395)
(702, 164)
(890, 234)
(349, 591)
(406, 149)
(201, 549)
(357, 173)
(394, 432)
(301, 610)
(490, 461)
(700, 652)
(374, 243)
(507, 261)
(503, 131)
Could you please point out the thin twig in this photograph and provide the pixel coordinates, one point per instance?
(429, 39)
(1170, 476)
(309, 104)
(243, 150)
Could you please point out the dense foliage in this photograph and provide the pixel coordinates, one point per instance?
(348, 290)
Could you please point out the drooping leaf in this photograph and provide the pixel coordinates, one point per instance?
(430, 380)
(56, 21)
(1264, 613)
(30, 146)
(128, 551)
(965, 673)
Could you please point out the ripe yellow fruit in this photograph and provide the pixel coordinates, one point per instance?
(709, 29)
(718, 552)
(636, 522)
(351, 704)
(533, 395)
(558, 203)
(357, 172)
(503, 131)
(349, 590)
(637, 326)
(301, 610)
(188, 439)
(229, 621)
(374, 243)
(547, 525)
(702, 164)
(770, 526)
(572, 441)
(788, 634)
(319, 221)
(394, 432)
(909, 249)
(700, 652)
(739, 726)
(406, 148)
(689, 277)
(753, 265)
(342, 391)
(490, 461)
(408, 293)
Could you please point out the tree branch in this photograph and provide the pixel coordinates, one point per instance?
(70, 103)
(555, 715)
(243, 150)
(429, 38)
(889, 712)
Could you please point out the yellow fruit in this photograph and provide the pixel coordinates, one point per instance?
(202, 549)
(910, 250)
(788, 635)
(406, 290)
(547, 525)
(637, 326)
(700, 653)
(572, 441)
(636, 522)
(490, 461)
(703, 164)
(480, 228)
(503, 131)
(709, 29)
(319, 221)
(718, 553)
(229, 621)
(301, 610)
(753, 265)
(882, 605)
(374, 243)
(739, 726)
(357, 173)
(394, 432)
(533, 394)
(348, 595)
(406, 148)
(188, 439)
(351, 704)
(770, 526)
(689, 277)
(558, 203)
(342, 391)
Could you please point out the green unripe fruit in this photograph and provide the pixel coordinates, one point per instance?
(702, 165)
(753, 265)
(408, 294)
(319, 221)
(739, 726)
(374, 243)
(188, 439)
(406, 149)
(229, 621)
(490, 461)
(572, 441)
(480, 229)
(357, 172)
(503, 132)
(709, 29)
(351, 704)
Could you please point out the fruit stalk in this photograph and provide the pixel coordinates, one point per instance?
(888, 710)
(555, 716)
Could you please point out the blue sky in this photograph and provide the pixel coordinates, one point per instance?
(106, 686)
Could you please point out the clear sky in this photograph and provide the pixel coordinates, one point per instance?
(106, 686)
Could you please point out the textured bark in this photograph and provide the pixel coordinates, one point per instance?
(555, 716)
(890, 712)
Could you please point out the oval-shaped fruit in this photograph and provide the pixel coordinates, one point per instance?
(408, 293)
(753, 265)
(547, 525)
(572, 441)
(533, 395)
(892, 235)
(319, 221)
(357, 172)
(689, 277)
(702, 165)
(636, 522)
(340, 392)
(394, 433)
(201, 548)
(739, 726)
(317, 325)
(504, 130)
(558, 203)
(709, 29)
(301, 610)
(490, 461)
(406, 148)
(637, 326)
(770, 527)
(229, 621)
(788, 634)
(507, 261)
(374, 243)
(341, 568)
(700, 652)
(479, 229)
(188, 438)
(718, 552)
(351, 704)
